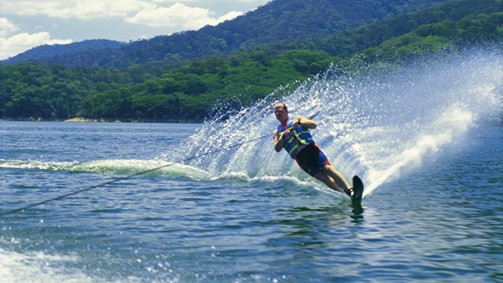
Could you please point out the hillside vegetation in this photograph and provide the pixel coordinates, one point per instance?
(190, 89)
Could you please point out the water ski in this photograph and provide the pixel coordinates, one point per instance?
(358, 190)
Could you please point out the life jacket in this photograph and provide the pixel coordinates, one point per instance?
(298, 136)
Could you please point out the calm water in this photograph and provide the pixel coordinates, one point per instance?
(227, 208)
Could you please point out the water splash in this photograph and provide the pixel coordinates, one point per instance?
(17, 267)
(377, 123)
(114, 166)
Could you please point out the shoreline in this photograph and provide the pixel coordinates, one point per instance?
(87, 120)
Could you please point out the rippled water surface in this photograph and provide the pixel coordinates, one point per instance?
(224, 207)
(440, 223)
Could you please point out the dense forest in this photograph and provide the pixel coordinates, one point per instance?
(190, 89)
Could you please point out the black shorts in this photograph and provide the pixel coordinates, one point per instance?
(311, 159)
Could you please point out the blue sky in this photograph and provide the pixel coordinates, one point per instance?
(25, 24)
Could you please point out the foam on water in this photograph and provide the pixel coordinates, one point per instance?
(377, 123)
(40, 267)
(113, 166)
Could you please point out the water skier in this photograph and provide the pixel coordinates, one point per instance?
(295, 138)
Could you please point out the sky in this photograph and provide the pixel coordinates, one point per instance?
(25, 24)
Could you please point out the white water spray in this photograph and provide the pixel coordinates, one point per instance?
(377, 124)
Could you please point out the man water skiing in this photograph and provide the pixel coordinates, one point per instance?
(295, 138)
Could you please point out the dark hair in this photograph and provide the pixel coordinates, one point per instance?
(282, 103)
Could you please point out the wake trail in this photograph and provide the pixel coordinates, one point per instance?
(379, 124)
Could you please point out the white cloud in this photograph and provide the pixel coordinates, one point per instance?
(229, 16)
(89, 9)
(178, 15)
(12, 42)
(7, 27)
(75, 9)
(147, 12)
(31, 8)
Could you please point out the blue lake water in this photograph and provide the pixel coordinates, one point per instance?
(225, 207)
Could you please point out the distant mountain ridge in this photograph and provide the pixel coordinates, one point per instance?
(278, 20)
(43, 52)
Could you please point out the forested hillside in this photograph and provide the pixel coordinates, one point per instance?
(41, 53)
(279, 20)
(188, 91)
